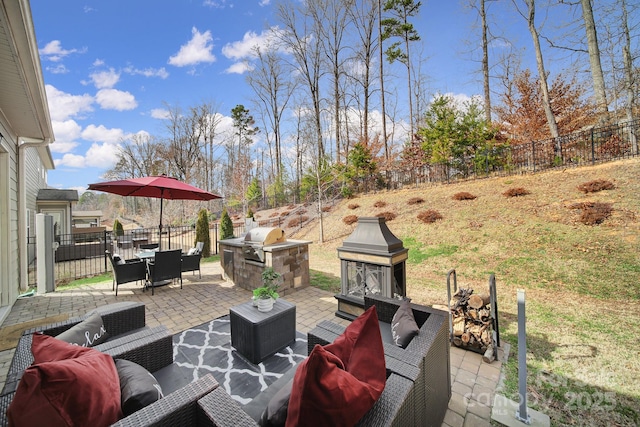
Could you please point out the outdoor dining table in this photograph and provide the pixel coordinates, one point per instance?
(146, 255)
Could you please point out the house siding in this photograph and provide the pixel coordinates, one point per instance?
(9, 264)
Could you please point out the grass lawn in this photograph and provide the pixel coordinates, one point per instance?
(582, 282)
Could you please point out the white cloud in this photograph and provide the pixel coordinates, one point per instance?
(148, 72)
(160, 113)
(217, 4)
(246, 48)
(197, 50)
(98, 63)
(63, 146)
(114, 99)
(105, 79)
(63, 105)
(264, 3)
(102, 155)
(66, 132)
(53, 51)
(71, 160)
(58, 69)
(240, 68)
(102, 134)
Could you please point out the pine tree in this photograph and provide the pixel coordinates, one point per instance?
(226, 226)
(202, 232)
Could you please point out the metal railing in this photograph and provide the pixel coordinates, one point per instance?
(83, 255)
(596, 145)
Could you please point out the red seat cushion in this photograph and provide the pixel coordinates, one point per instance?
(338, 383)
(67, 386)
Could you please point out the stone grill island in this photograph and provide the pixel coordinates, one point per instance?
(372, 261)
(245, 258)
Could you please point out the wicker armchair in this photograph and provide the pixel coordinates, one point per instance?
(192, 262)
(166, 267)
(130, 339)
(131, 270)
(428, 353)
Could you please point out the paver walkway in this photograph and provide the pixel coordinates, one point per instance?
(202, 299)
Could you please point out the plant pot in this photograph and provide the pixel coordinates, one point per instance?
(265, 304)
(255, 301)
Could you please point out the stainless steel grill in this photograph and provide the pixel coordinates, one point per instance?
(257, 238)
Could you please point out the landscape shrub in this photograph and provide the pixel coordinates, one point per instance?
(380, 204)
(350, 219)
(593, 213)
(429, 216)
(202, 232)
(463, 195)
(415, 201)
(326, 209)
(595, 186)
(118, 229)
(515, 192)
(296, 221)
(274, 214)
(226, 226)
(302, 211)
(285, 213)
(388, 216)
(353, 206)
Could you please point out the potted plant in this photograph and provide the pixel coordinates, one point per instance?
(267, 294)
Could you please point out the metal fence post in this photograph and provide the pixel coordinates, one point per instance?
(521, 413)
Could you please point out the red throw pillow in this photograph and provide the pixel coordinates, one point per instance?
(80, 391)
(49, 349)
(338, 383)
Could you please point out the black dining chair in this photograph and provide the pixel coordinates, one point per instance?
(164, 269)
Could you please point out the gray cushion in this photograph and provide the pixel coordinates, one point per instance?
(275, 414)
(88, 333)
(403, 325)
(138, 387)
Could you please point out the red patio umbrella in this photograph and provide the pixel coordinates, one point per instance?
(160, 187)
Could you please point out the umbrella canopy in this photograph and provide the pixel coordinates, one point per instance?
(161, 187)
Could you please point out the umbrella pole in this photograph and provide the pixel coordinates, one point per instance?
(160, 237)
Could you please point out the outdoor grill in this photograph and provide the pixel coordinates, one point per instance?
(257, 238)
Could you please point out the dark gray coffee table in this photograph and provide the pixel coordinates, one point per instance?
(257, 335)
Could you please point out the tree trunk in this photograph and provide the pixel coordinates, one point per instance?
(485, 64)
(542, 74)
(382, 103)
(594, 59)
(628, 79)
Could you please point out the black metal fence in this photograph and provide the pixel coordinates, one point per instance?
(596, 145)
(83, 255)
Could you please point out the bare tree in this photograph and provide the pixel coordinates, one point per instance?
(364, 16)
(300, 37)
(273, 90)
(628, 75)
(332, 19)
(594, 58)
(542, 74)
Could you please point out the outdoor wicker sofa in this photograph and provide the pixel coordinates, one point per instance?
(428, 352)
(129, 335)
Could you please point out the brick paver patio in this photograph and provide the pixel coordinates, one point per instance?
(473, 382)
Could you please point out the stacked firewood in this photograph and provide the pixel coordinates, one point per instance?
(471, 320)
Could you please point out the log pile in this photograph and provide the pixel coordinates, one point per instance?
(471, 321)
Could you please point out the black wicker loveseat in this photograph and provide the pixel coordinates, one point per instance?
(151, 348)
(428, 353)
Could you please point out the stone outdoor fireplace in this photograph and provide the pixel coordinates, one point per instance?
(245, 258)
(372, 261)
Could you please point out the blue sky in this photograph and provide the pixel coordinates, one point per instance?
(110, 67)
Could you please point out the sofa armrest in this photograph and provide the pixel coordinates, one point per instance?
(152, 348)
(218, 409)
(179, 408)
